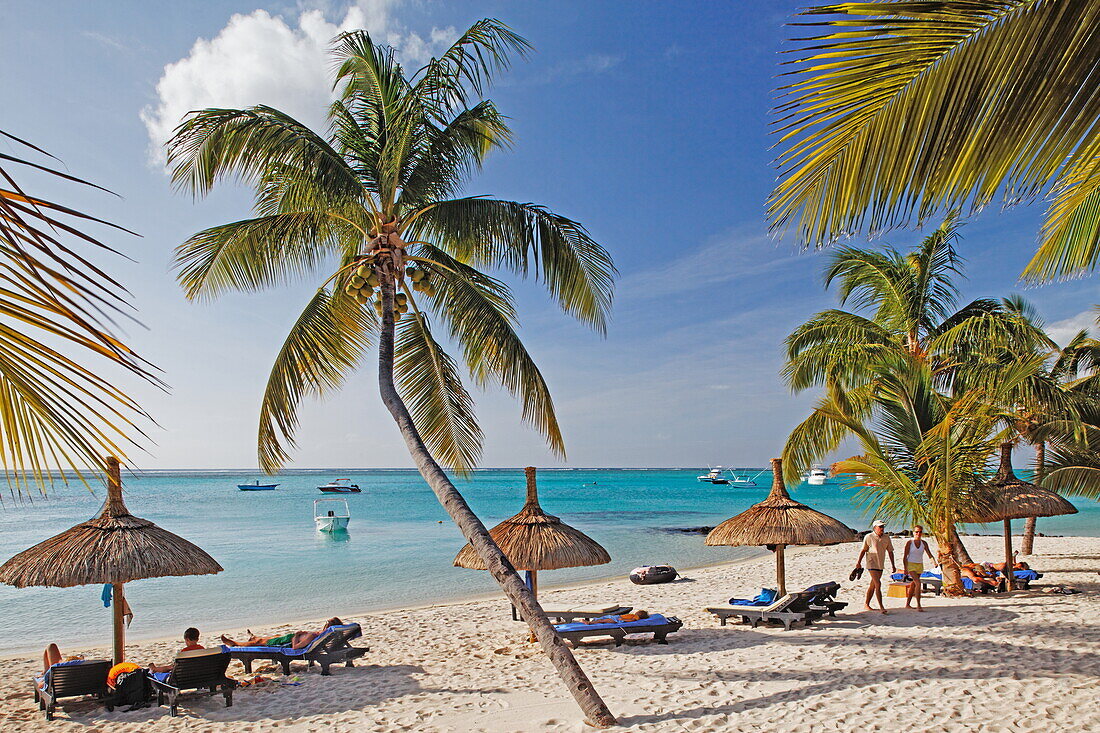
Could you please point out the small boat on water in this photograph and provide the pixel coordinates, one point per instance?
(256, 486)
(331, 514)
(817, 476)
(715, 476)
(653, 574)
(340, 486)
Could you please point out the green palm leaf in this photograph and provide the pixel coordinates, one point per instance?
(441, 408)
(899, 110)
(324, 345)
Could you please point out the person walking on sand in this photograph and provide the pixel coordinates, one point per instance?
(876, 546)
(913, 556)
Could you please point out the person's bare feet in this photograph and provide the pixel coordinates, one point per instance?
(868, 608)
(920, 609)
(884, 613)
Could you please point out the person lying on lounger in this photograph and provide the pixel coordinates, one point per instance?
(636, 616)
(978, 576)
(52, 656)
(190, 644)
(1000, 566)
(295, 640)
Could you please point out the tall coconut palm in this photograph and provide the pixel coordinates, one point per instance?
(900, 109)
(911, 351)
(912, 317)
(59, 408)
(374, 206)
(924, 452)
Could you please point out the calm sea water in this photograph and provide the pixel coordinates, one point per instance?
(398, 550)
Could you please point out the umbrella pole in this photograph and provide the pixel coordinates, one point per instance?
(118, 602)
(780, 571)
(1010, 571)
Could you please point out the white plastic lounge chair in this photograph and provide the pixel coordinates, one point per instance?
(789, 609)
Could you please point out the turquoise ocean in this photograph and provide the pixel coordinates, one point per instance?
(398, 550)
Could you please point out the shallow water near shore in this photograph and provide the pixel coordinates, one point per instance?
(397, 552)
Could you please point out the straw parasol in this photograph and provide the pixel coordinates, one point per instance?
(1008, 498)
(779, 521)
(113, 547)
(534, 540)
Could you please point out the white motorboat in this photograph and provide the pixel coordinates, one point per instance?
(737, 479)
(340, 486)
(714, 476)
(817, 476)
(331, 514)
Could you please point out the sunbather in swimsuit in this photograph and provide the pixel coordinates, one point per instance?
(296, 640)
(978, 576)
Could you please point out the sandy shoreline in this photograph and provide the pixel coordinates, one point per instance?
(1028, 661)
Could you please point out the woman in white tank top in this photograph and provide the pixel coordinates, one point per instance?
(913, 557)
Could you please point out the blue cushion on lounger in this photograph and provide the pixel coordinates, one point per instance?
(1028, 574)
(765, 597)
(613, 622)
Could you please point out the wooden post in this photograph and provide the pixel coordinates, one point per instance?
(780, 571)
(118, 603)
(1009, 571)
(533, 576)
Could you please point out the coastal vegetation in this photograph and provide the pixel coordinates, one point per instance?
(379, 196)
(60, 409)
(928, 389)
(898, 112)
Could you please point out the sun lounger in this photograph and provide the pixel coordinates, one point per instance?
(656, 624)
(1023, 578)
(195, 670)
(70, 679)
(824, 602)
(329, 648)
(565, 615)
(789, 609)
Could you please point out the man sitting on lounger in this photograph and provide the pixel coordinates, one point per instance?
(190, 644)
(295, 640)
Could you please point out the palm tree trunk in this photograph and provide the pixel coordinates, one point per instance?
(477, 535)
(962, 556)
(1028, 545)
(949, 565)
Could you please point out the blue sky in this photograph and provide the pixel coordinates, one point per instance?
(650, 126)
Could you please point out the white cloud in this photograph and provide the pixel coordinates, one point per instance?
(1062, 331)
(260, 58)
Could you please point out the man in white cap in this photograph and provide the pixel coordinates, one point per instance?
(876, 546)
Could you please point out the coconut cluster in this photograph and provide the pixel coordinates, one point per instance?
(420, 281)
(363, 285)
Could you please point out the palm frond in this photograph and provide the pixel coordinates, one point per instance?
(479, 313)
(324, 345)
(898, 110)
(56, 413)
(430, 385)
(485, 232)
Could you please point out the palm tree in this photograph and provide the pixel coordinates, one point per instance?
(906, 363)
(378, 198)
(58, 414)
(897, 110)
(1064, 395)
(924, 452)
(911, 300)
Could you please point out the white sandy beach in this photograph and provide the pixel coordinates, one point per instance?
(1020, 662)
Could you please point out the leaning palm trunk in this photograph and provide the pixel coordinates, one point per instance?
(1028, 545)
(949, 566)
(475, 532)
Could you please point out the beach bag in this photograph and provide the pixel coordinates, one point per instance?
(133, 689)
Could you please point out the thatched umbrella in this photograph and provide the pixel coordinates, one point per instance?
(534, 540)
(779, 521)
(1007, 498)
(113, 547)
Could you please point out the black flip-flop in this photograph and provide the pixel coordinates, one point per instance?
(856, 574)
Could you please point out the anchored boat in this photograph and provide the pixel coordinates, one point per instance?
(653, 574)
(340, 486)
(331, 514)
(817, 476)
(714, 476)
(257, 486)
